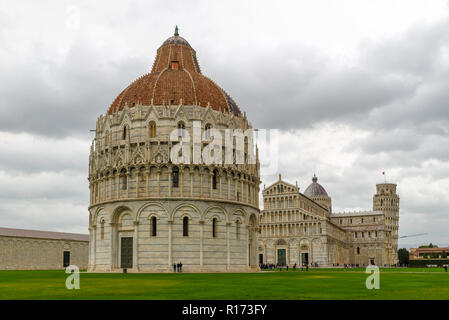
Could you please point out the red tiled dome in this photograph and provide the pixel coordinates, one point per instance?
(175, 75)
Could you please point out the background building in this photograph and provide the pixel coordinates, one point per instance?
(301, 228)
(42, 250)
(147, 213)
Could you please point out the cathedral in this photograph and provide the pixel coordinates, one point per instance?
(301, 228)
(147, 212)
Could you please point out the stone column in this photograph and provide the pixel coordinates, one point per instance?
(219, 183)
(211, 190)
(201, 184)
(159, 182)
(247, 245)
(137, 182)
(191, 183)
(169, 181)
(228, 244)
(127, 183)
(117, 189)
(135, 246)
(170, 243)
(147, 185)
(94, 248)
(201, 241)
(181, 178)
(112, 245)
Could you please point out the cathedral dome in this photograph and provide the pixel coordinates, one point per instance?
(315, 189)
(175, 78)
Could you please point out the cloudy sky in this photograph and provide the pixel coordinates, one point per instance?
(356, 88)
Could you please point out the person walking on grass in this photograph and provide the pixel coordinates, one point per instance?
(445, 268)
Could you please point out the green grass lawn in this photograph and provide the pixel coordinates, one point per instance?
(314, 284)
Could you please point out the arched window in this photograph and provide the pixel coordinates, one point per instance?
(102, 229)
(237, 229)
(181, 128)
(124, 179)
(153, 226)
(207, 129)
(185, 226)
(214, 179)
(152, 129)
(125, 132)
(175, 176)
(214, 227)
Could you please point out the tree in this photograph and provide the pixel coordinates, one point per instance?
(403, 256)
(429, 246)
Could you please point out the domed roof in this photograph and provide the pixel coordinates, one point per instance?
(175, 78)
(315, 189)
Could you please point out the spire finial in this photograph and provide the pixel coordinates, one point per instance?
(314, 179)
(176, 31)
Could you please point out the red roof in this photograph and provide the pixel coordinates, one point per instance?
(175, 75)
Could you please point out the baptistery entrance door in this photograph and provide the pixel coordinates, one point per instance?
(126, 252)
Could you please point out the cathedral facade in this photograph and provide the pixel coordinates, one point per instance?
(147, 211)
(300, 228)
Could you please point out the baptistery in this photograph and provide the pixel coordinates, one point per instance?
(173, 174)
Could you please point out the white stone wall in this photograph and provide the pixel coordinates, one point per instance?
(199, 251)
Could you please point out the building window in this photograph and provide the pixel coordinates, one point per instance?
(362, 220)
(125, 132)
(358, 250)
(124, 179)
(363, 234)
(152, 129)
(355, 235)
(185, 226)
(214, 180)
(341, 221)
(214, 227)
(102, 230)
(175, 65)
(237, 229)
(207, 130)
(153, 226)
(350, 221)
(181, 128)
(175, 176)
(238, 196)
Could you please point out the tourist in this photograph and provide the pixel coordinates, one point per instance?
(174, 267)
(445, 268)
